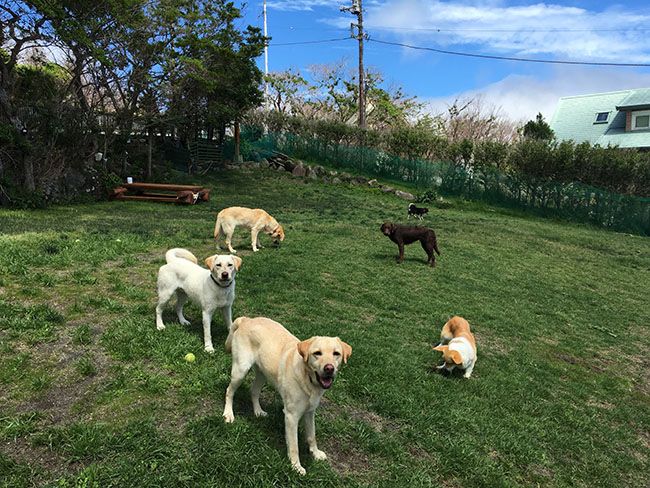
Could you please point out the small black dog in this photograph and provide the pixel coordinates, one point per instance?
(416, 211)
(402, 234)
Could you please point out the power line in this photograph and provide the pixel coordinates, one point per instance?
(309, 42)
(434, 29)
(508, 58)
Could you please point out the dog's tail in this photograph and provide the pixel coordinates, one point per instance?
(217, 227)
(180, 253)
(231, 332)
(435, 244)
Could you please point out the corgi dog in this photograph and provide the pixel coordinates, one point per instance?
(457, 346)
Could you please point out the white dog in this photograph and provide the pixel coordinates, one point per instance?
(211, 288)
(301, 371)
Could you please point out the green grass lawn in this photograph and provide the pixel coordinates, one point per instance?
(91, 394)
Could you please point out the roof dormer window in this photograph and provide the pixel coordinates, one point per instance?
(601, 117)
(641, 120)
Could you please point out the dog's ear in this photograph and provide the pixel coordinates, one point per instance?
(440, 348)
(347, 350)
(303, 348)
(209, 261)
(237, 261)
(455, 357)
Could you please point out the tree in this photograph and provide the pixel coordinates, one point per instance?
(119, 67)
(538, 129)
(471, 119)
(287, 91)
(213, 78)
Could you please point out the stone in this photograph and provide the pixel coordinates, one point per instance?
(405, 195)
(336, 180)
(299, 171)
(387, 189)
(280, 168)
(372, 183)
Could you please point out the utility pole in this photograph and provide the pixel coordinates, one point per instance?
(357, 9)
(266, 63)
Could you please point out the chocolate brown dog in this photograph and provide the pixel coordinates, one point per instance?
(403, 234)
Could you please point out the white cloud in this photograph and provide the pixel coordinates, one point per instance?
(521, 97)
(302, 5)
(611, 34)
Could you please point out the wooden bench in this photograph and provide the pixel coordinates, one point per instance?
(161, 192)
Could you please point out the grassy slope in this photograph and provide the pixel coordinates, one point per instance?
(91, 393)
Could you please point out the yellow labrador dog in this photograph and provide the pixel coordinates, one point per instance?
(300, 371)
(210, 288)
(256, 219)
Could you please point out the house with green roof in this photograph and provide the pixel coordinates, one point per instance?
(620, 118)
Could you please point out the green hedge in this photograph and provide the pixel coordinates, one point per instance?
(475, 174)
(617, 170)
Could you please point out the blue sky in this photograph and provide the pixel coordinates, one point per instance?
(559, 30)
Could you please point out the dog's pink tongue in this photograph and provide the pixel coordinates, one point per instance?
(326, 382)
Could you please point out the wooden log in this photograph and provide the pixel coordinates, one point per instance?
(160, 186)
(171, 198)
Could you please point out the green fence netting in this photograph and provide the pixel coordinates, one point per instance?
(572, 201)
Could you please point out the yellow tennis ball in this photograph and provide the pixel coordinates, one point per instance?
(190, 358)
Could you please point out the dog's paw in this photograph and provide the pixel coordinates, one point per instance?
(160, 327)
(319, 455)
(228, 418)
(209, 349)
(260, 413)
(233, 251)
(301, 471)
(255, 249)
(184, 322)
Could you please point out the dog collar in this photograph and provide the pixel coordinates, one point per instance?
(219, 284)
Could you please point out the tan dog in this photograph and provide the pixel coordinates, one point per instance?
(300, 371)
(257, 220)
(461, 349)
(210, 288)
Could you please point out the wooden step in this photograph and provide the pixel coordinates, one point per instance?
(171, 198)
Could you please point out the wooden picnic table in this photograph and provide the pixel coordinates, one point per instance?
(161, 186)
(162, 192)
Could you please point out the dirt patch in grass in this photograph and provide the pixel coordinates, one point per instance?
(377, 422)
(541, 471)
(56, 402)
(593, 402)
(68, 386)
(491, 343)
(597, 364)
(347, 461)
(21, 451)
